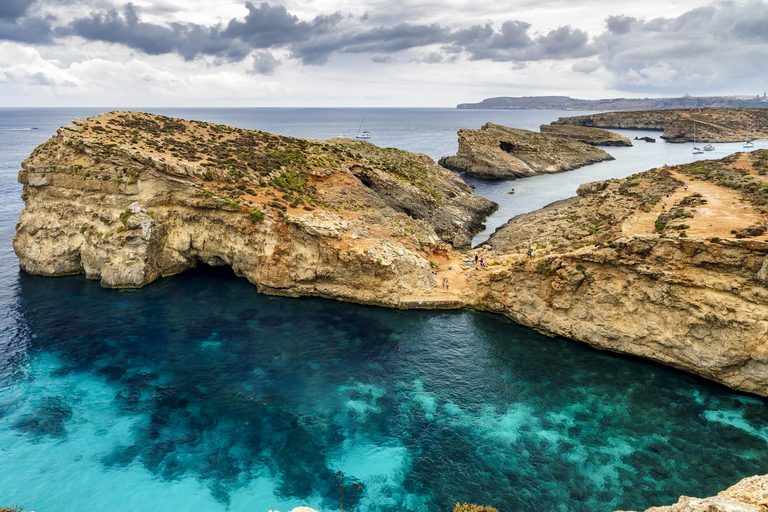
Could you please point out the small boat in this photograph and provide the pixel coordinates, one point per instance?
(362, 134)
(696, 150)
(747, 143)
(709, 147)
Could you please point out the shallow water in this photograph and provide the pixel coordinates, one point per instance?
(198, 393)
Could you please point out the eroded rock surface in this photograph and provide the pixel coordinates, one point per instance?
(585, 134)
(499, 152)
(126, 198)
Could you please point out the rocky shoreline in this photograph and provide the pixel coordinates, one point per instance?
(712, 124)
(126, 198)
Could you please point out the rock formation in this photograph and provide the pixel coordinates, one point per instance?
(126, 198)
(640, 265)
(585, 134)
(712, 124)
(499, 152)
(749, 495)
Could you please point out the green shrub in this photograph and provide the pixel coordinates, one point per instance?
(125, 216)
(208, 175)
(131, 181)
(378, 261)
(256, 216)
(151, 213)
(543, 267)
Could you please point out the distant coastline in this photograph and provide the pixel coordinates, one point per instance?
(567, 103)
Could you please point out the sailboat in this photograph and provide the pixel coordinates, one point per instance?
(362, 134)
(747, 143)
(696, 151)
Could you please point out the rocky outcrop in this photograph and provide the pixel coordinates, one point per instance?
(499, 152)
(698, 304)
(749, 495)
(126, 198)
(587, 135)
(712, 124)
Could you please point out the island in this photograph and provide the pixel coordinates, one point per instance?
(678, 125)
(500, 152)
(670, 264)
(603, 105)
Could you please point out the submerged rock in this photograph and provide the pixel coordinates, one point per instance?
(499, 152)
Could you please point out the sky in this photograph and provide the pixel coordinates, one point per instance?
(375, 53)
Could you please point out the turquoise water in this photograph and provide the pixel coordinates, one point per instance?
(196, 393)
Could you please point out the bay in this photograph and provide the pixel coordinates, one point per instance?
(197, 393)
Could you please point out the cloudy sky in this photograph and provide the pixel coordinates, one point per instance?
(375, 53)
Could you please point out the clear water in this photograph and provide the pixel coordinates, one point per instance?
(196, 393)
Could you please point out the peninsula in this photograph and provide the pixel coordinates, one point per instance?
(500, 152)
(711, 124)
(670, 264)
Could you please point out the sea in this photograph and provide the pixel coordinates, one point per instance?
(198, 393)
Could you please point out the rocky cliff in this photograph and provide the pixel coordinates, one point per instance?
(126, 198)
(585, 134)
(499, 152)
(641, 265)
(644, 266)
(712, 124)
(749, 495)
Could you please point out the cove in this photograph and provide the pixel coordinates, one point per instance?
(197, 392)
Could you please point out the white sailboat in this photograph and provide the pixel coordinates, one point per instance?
(362, 134)
(747, 143)
(696, 151)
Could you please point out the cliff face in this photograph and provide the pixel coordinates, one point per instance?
(712, 124)
(639, 266)
(126, 198)
(498, 152)
(587, 135)
(609, 273)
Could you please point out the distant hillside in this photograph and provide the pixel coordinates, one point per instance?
(566, 103)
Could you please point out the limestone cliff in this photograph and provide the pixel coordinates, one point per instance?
(749, 495)
(126, 198)
(609, 272)
(642, 265)
(712, 124)
(585, 134)
(499, 152)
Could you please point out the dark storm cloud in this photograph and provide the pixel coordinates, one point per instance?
(188, 40)
(32, 30)
(14, 9)
(316, 41)
(513, 43)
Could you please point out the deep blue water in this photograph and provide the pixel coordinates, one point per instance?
(196, 393)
